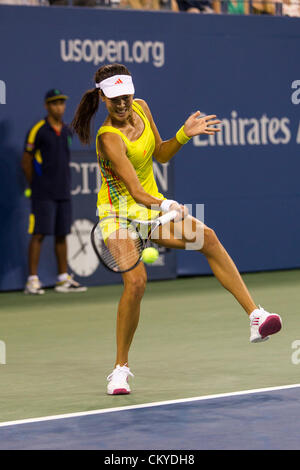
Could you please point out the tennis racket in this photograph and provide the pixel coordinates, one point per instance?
(119, 242)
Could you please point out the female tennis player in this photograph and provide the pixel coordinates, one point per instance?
(125, 144)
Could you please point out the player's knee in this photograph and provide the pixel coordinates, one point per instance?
(211, 240)
(60, 239)
(38, 237)
(137, 285)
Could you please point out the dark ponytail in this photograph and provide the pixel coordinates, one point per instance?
(86, 109)
(89, 103)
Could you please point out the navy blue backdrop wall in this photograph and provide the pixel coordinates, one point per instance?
(244, 69)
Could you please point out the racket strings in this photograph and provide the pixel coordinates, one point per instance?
(122, 249)
(119, 242)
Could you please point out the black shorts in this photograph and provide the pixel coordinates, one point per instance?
(50, 217)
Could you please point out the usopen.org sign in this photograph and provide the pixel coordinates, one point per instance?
(2, 92)
(99, 51)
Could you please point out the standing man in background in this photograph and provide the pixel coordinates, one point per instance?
(46, 166)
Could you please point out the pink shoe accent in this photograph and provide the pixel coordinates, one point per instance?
(271, 325)
(120, 391)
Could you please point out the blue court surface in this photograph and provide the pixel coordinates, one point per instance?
(264, 419)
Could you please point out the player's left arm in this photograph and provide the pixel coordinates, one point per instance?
(194, 125)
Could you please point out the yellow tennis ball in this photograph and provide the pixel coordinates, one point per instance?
(27, 192)
(150, 255)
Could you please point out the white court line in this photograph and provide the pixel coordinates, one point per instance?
(146, 405)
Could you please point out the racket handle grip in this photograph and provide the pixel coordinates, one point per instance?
(164, 219)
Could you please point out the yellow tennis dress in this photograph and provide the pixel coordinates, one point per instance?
(113, 197)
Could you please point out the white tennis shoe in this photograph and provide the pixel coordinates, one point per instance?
(69, 285)
(118, 381)
(263, 324)
(34, 286)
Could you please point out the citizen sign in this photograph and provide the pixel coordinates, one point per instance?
(86, 177)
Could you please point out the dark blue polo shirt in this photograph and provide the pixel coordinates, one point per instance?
(51, 158)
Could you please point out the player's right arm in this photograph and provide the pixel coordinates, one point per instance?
(112, 148)
(28, 154)
(30, 146)
(27, 166)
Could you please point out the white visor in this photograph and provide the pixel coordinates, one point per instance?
(118, 85)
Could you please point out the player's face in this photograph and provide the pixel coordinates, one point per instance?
(120, 107)
(56, 109)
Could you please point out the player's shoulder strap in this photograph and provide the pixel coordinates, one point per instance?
(32, 134)
(141, 112)
(137, 107)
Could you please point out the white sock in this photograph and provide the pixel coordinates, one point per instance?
(63, 277)
(33, 277)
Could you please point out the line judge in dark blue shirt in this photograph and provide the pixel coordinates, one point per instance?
(46, 166)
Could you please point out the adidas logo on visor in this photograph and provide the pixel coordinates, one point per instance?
(118, 82)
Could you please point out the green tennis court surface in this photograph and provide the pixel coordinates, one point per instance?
(193, 340)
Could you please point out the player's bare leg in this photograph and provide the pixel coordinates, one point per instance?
(61, 254)
(65, 282)
(127, 317)
(129, 310)
(193, 234)
(225, 270)
(34, 253)
(33, 285)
